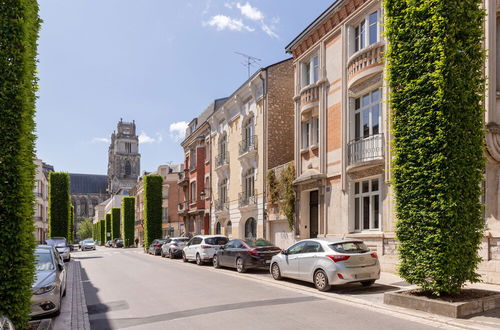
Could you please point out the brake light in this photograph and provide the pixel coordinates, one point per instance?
(206, 246)
(339, 257)
(374, 255)
(340, 276)
(254, 252)
(157, 245)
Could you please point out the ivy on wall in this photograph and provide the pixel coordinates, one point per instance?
(281, 192)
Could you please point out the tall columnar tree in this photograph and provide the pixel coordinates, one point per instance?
(108, 227)
(152, 208)
(102, 229)
(19, 25)
(435, 65)
(115, 222)
(71, 225)
(59, 205)
(128, 220)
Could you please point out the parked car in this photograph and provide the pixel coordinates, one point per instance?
(327, 262)
(245, 254)
(155, 247)
(87, 244)
(173, 246)
(50, 282)
(202, 248)
(61, 246)
(108, 244)
(117, 243)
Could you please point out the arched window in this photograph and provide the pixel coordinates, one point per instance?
(217, 229)
(248, 132)
(229, 228)
(251, 228)
(128, 168)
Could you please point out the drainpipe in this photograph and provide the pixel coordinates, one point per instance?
(264, 155)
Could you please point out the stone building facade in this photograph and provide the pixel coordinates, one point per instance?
(41, 206)
(87, 191)
(342, 144)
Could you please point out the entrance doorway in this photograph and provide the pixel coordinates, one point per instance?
(313, 214)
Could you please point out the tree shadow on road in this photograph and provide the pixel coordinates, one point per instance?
(97, 316)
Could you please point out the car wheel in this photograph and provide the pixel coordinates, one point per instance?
(199, 262)
(276, 272)
(215, 262)
(368, 283)
(162, 254)
(184, 257)
(240, 265)
(321, 281)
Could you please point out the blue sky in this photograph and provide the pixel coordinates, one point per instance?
(158, 62)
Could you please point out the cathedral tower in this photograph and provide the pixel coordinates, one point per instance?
(124, 164)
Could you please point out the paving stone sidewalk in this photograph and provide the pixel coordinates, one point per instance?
(74, 313)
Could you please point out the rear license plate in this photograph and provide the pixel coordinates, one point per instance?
(361, 276)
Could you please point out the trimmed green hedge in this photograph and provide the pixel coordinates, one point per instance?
(108, 227)
(19, 25)
(102, 227)
(115, 222)
(128, 220)
(152, 208)
(435, 72)
(59, 205)
(71, 224)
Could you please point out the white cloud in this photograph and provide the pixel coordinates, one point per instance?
(178, 130)
(159, 137)
(222, 22)
(144, 138)
(269, 30)
(97, 139)
(228, 5)
(250, 12)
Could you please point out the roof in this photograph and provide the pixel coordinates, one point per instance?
(88, 183)
(314, 24)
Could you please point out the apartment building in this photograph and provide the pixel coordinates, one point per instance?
(41, 192)
(342, 130)
(195, 206)
(250, 133)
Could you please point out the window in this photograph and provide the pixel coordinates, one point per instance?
(223, 190)
(217, 228)
(251, 228)
(248, 132)
(310, 71)
(312, 247)
(193, 191)
(237, 244)
(249, 181)
(367, 115)
(192, 158)
(310, 132)
(367, 204)
(364, 38)
(297, 248)
(223, 147)
(128, 147)
(128, 169)
(229, 228)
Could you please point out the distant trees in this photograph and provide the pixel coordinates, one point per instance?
(128, 220)
(86, 229)
(152, 208)
(115, 222)
(59, 205)
(19, 25)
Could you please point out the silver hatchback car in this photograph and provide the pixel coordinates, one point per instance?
(326, 262)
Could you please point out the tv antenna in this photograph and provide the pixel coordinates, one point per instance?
(250, 60)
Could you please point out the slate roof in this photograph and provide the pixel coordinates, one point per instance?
(88, 183)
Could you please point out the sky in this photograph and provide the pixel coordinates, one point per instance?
(158, 62)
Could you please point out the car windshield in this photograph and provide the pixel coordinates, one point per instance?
(56, 242)
(216, 240)
(161, 241)
(258, 242)
(180, 240)
(87, 241)
(350, 247)
(43, 261)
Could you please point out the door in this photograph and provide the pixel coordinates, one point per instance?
(195, 244)
(308, 259)
(223, 253)
(291, 266)
(313, 213)
(234, 252)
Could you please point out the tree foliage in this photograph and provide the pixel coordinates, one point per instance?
(108, 228)
(59, 205)
(71, 224)
(435, 65)
(115, 222)
(281, 192)
(86, 229)
(152, 208)
(102, 229)
(19, 25)
(128, 220)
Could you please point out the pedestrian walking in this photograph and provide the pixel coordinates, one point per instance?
(136, 242)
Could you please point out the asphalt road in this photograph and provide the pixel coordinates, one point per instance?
(126, 288)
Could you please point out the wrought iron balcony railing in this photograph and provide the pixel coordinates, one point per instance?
(221, 205)
(247, 198)
(366, 149)
(248, 144)
(222, 159)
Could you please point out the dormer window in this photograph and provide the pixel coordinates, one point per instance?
(367, 32)
(310, 71)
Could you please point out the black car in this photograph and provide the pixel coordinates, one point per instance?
(155, 247)
(245, 254)
(117, 243)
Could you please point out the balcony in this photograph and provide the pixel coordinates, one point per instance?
(222, 160)
(182, 207)
(39, 194)
(38, 218)
(183, 178)
(221, 205)
(248, 145)
(366, 151)
(364, 59)
(309, 97)
(247, 199)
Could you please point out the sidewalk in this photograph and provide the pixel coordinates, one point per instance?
(74, 314)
